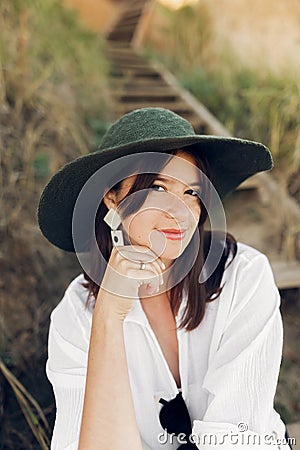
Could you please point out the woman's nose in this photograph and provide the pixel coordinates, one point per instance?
(175, 207)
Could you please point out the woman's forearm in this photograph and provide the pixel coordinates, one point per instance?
(108, 419)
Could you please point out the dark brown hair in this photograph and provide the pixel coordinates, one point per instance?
(198, 294)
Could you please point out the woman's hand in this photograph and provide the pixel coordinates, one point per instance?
(132, 271)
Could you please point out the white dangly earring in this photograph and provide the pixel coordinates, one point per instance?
(113, 220)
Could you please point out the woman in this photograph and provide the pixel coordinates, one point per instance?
(172, 336)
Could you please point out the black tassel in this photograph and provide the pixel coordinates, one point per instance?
(174, 417)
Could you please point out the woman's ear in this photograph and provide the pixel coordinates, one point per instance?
(110, 200)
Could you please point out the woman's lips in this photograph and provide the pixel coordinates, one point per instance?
(173, 234)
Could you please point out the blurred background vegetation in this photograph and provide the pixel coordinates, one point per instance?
(54, 106)
(253, 99)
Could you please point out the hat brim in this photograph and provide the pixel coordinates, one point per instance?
(232, 160)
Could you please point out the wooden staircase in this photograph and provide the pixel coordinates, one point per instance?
(256, 212)
(127, 27)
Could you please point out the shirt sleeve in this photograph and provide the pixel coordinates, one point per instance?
(66, 370)
(66, 367)
(243, 373)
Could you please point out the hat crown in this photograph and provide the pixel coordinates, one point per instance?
(143, 124)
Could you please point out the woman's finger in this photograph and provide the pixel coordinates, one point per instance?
(145, 277)
(141, 265)
(140, 253)
(135, 255)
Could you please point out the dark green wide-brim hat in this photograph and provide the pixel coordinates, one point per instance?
(231, 160)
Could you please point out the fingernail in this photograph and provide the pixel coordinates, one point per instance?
(163, 266)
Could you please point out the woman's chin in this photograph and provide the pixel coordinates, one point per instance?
(169, 257)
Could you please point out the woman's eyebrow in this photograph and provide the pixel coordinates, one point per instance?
(173, 181)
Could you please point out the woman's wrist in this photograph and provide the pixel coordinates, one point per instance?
(106, 313)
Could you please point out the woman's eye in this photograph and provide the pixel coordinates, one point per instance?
(157, 187)
(194, 193)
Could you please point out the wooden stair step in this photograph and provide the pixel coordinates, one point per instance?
(134, 10)
(286, 273)
(137, 71)
(132, 14)
(128, 84)
(121, 36)
(134, 76)
(179, 104)
(120, 46)
(195, 120)
(128, 81)
(125, 26)
(134, 69)
(130, 63)
(122, 33)
(129, 20)
(145, 82)
(129, 95)
(163, 98)
(134, 65)
(179, 108)
(140, 90)
(117, 71)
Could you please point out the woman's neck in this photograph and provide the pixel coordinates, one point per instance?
(157, 306)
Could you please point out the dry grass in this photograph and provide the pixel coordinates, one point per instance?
(53, 108)
(30, 408)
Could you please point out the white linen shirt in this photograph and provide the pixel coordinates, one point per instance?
(229, 364)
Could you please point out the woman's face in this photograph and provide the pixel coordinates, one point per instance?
(169, 216)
